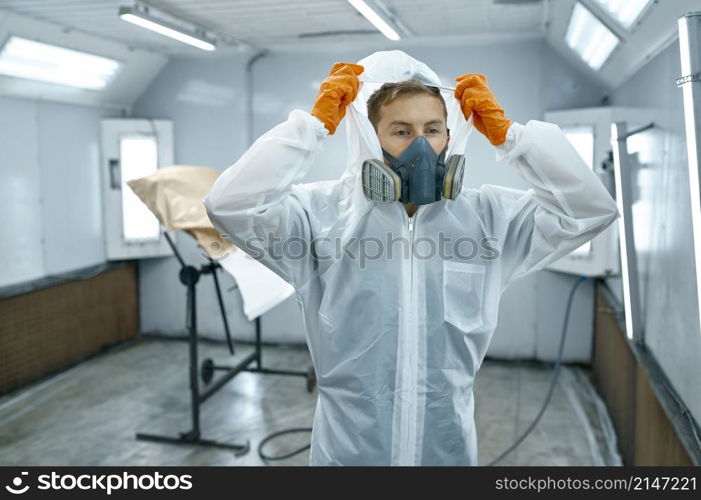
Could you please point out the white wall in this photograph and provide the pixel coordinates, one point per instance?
(527, 77)
(50, 190)
(663, 228)
(204, 97)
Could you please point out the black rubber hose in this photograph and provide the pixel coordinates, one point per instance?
(553, 380)
(267, 458)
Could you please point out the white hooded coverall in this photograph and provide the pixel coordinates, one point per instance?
(396, 341)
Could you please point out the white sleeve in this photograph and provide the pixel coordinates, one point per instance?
(253, 202)
(566, 206)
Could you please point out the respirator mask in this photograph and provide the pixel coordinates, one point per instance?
(418, 176)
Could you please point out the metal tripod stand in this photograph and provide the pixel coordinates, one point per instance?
(189, 276)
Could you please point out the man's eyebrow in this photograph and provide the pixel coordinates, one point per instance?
(432, 122)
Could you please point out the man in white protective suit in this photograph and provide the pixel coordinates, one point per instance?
(400, 284)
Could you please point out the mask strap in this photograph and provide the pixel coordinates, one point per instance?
(389, 156)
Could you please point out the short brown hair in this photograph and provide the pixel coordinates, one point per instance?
(389, 92)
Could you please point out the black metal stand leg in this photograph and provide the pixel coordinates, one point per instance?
(259, 349)
(223, 312)
(194, 382)
(309, 375)
(189, 276)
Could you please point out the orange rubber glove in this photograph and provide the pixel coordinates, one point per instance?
(476, 98)
(337, 91)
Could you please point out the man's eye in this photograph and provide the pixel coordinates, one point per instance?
(434, 131)
(401, 132)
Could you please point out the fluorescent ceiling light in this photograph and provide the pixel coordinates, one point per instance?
(374, 18)
(141, 17)
(24, 58)
(589, 37)
(625, 12)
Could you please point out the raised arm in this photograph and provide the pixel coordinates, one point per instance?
(566, 207)
(567, 204)
(254, 201)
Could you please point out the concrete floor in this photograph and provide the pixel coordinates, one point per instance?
(89, 415)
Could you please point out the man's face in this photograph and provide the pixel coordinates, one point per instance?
(406, 118)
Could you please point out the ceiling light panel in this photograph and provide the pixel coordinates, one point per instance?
(625, 12)
(23, 58)
(590, 38)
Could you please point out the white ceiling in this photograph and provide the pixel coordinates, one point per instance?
(282, 24)
(268, 23)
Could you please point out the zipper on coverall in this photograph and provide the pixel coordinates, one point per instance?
(409, 339)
